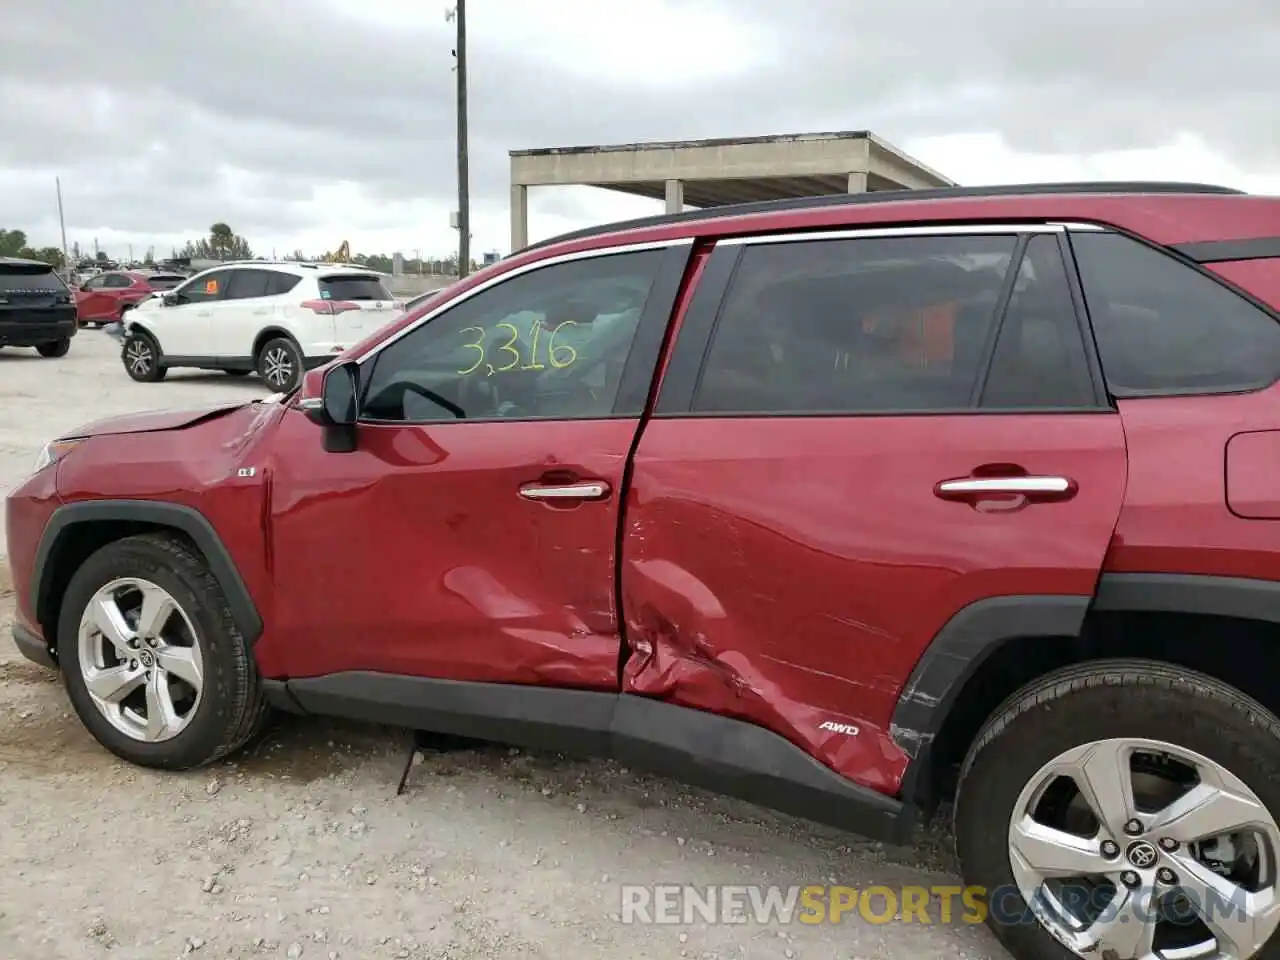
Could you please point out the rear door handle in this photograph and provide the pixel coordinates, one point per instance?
(586, 490)
(1040, 488)
(261, 313)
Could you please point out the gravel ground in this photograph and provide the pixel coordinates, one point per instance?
(299, 847)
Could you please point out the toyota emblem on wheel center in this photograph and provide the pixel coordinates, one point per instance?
(1142, 855)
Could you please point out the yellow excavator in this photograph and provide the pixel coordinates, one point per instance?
(341, 255)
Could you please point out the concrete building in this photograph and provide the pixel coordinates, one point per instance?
(711, 173)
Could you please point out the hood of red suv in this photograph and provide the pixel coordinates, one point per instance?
(154, 420)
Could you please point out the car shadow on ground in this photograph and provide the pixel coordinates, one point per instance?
(48, 739)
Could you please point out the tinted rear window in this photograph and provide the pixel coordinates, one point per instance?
(165, 282)
(15, 278)
(354, 286)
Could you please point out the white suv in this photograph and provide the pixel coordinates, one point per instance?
(278, 318)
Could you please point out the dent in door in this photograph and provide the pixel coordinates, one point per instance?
(792, 572)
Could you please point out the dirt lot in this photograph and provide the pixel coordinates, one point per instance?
(300, 848)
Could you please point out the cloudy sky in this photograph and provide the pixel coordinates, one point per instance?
(305, 122)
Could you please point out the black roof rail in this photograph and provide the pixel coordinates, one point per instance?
(887, 196)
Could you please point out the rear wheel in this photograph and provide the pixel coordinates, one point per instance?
(1126, 809)
(141, 357)
(55, 348)
(280, 364)
(152, 660)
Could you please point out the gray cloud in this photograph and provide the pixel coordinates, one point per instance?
(150, 108)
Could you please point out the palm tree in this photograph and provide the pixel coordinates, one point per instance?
(221, 240)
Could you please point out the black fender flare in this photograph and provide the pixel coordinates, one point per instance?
(173, 515)
(955, 654)
(1242, 597)
(129, 325)
(267, 334)
(975, 632)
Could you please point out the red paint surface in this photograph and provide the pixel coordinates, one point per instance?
(416, 554)
(107, 304)
(792, 571)
(1175, 517)
(1253, 475)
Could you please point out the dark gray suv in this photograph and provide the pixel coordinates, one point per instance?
(36, 308)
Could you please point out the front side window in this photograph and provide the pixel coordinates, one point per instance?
(205, 287)
(548, 344)
(1164, 328)
(855, 325)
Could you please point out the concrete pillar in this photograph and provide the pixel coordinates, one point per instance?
(675, 196)
(519, 216)
(858, 182)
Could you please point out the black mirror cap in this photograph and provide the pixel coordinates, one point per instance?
(169, 299)
(340, 393)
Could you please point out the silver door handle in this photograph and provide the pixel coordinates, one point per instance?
(1046, 487)
(591, 490)
(261, 313)
(205, 313)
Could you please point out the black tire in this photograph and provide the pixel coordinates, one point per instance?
(232, 709)
(55, 348)
(140, 355)
(1083, 704)
(275, 358)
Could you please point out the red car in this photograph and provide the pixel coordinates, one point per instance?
(850, 506)
(105, 298)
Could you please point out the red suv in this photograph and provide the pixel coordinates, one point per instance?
(106, 298)
(848, 506)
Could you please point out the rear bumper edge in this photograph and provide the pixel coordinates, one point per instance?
(33, 334)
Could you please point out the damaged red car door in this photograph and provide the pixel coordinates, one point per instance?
(472, 533)
(856, 439)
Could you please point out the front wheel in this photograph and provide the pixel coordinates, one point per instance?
(55, 348)
(1124, 809)
(152, 660)
(141, 358)
(280, 364)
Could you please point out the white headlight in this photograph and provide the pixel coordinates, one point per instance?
(54, 451)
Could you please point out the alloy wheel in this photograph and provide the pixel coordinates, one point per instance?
(277, 367)
(141, 660)
(138, 357)
(1132, 848)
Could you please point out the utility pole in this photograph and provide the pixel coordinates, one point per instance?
(62, 224)
(459, 16)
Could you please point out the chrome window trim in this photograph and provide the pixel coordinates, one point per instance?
(519, 272)
(876, 233)
(1085, 227)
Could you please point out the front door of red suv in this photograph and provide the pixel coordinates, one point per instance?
(472, 533)
(858, 437)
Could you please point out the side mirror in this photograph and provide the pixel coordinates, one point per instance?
(337, 407)
(339, 394)
(84, 288)
(169, 299)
